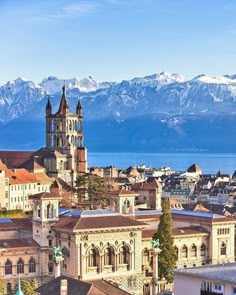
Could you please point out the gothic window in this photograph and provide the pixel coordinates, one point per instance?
(49, 211)
(60, 126)
(72, 140)
(223, 249)
(193, 251)
(108, 256)
(123, 255)
(8, 267)
(20, 266)
(32, 265)
(92, 258)
(184, 252)
(203, 250)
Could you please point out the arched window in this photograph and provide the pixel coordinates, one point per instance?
(108, 256)
(123, 255)
(184, 252)
(223, 249)
(49, 211)
(9, 288)
(92, 258)
(32, 265)
(8, 267)
(145, 255)
(20, 266)
(203, 250)
(193, 251)
(50, 267)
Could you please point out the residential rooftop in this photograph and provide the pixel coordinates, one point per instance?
(221, 272)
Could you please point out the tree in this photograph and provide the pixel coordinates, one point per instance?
(167, 258)
(90, 189)
(28, 287)
(2, 287)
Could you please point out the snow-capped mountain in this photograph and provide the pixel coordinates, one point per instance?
(157, 93)
(173, 106)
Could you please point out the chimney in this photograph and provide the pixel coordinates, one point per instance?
(63, 287)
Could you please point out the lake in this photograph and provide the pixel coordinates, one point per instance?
(209, 162)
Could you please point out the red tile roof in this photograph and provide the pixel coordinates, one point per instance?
(96, 222)
(44, 195)
(15, 159)
(184, 231)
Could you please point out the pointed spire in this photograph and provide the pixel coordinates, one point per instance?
(79, 108)
(64, 103)
(48, 107)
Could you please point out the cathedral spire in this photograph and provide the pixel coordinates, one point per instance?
(48, 107)
(63, 107)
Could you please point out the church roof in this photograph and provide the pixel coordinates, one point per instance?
(15, 159)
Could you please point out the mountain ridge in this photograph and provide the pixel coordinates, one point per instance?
(172, 105)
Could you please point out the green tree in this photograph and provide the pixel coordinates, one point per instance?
(28, 288)
(90, 189)
(2, 287)
(167, 258)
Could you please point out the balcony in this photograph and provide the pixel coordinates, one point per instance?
(203, 292)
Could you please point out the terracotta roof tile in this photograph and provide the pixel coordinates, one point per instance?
(44, 195)
(83, 223)
(107, 288)
(42, 177)
(15, 159)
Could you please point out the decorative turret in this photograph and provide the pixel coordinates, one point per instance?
(48, 108)
(79, 109)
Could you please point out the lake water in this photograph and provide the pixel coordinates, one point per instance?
(209, 162)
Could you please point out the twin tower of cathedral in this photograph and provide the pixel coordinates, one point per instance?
(65, 155)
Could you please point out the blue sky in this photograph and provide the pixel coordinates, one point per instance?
(116, 39)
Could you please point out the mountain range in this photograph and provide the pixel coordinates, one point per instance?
(159, 112)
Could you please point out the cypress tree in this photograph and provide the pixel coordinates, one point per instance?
(167, 257)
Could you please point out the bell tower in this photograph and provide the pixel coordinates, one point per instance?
(45, 214)
(64, 134)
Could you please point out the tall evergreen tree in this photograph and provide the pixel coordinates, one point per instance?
(167, 258)
(90, 189)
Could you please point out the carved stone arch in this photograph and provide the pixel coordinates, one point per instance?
(104, 247)
(124, 244)
(99, 251)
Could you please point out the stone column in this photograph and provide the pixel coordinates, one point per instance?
(155, 253)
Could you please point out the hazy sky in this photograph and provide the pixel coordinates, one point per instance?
(116, 39)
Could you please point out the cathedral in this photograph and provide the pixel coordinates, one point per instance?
(64, 155)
